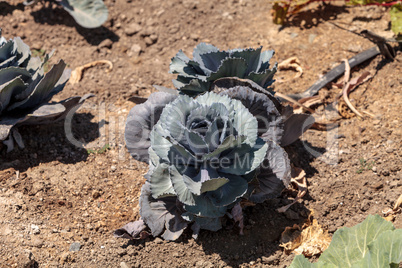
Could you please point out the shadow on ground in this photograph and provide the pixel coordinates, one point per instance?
(56, 15)
(6, 8)
(47, 143)
(312, 17)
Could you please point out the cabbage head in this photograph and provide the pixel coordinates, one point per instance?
(205, 155)
(215, 141)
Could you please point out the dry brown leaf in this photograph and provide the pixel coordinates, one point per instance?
(389, 214)
(308, 102)
(309, 240)
(344, 110)
(291, 63)
(324, 126)
(295, 102)
(298, 178)
(398, 203)
(76, 74)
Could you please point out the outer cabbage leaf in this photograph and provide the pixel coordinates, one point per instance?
(273, 175)
(294, 126)
(270, 122)
(87, 13)
(161, 215)
(140, 122)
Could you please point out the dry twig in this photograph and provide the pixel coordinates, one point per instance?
(76, 74)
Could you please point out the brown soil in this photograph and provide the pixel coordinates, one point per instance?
(53, 193)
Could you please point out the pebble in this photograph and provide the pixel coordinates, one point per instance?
(113, 168)
(35, 229)
(106, 43)
(194, 36)
(96, 194)
(75, 246)
(132, 29)
(134, 51)
(123, 265)
(154, 38)
(148, 41)
(38, 243)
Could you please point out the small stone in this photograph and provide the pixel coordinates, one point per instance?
(106, 43)
(113, 168)
(154, 38)
(194, 36)
(38, 243)
(96, 194)
(35, 229)
(132, 29)
(123, 265)
(389, 150)
(394, 184)
(75, 246)
(374, 169)
(121, 251)
(148, 41)
(365, 205)
(134, 51)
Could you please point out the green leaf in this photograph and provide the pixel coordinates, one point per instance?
(10, 73)
(251, 56)
(235, 188)
(264, 79)
(180, 187)
(384, 251)
(301, 262)
(140, 122)
(228, 143)
(396, 18)
(373, 243)
(9, 89)
(230, 67)
(87, 13)
(245, 158)
(205, 208)
(349, 245)
(161, 185)
(42, 89)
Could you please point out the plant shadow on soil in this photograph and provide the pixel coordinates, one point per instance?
(6, 8)
(47, 143)
(314, 16)
(57, 15)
